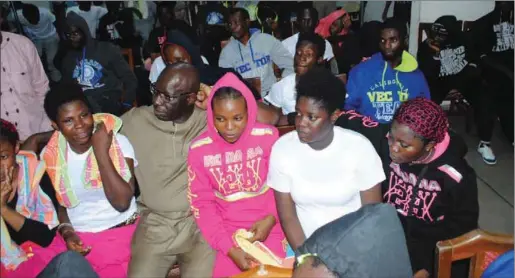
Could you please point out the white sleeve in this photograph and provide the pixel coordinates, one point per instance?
(275, 97)
(328, 55)
(277, 178)
(155, 70)
(126, 147)
(371, 171)
(101, 12)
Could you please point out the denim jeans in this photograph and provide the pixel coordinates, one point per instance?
(68, 264)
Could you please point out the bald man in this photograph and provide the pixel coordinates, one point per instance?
(160, 134)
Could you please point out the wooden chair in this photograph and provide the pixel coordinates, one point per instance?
(154, 56)
(223, 43)
(128, 52)
(285, 129)
(266, 271)
(130, 60)
(255, 82)
(478, 245)
(342, 77)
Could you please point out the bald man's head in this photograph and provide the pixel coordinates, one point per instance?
(175, 92)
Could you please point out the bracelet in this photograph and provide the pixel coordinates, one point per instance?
(64, 225)
(65, 232)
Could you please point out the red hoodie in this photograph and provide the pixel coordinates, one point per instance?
(227, 189)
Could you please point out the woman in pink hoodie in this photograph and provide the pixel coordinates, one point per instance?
(228, 166)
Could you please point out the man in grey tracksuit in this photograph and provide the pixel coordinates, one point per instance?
(252, 54)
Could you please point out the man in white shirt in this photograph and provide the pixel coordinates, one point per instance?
(38, 24)
(307, 20)
(91, 14)
(308, 54)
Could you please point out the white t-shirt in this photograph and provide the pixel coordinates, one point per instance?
(45, 27)
(283, 94)
(159, 65)
(291, 44)
(94, 213)
(92, 17)
(326, 184)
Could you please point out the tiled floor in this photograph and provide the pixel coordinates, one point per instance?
(495, 183)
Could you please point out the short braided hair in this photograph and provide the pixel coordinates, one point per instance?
(8, 132)
(426, 118)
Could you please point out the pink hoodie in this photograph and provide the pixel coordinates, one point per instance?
(227, 189)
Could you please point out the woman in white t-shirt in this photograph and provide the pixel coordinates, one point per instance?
(321, 172)
(91, 167)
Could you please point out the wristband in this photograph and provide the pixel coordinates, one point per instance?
(291, 118)
(63, 225)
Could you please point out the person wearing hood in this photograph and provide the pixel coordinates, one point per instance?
(379, 85)
(253, 54)
(227, 167)
(448, 63)
(336, 28)
(367, 243)
(495, 43)
(179, 48)
(428, 181)
(316, 171)
(91, 14)
(98, 67)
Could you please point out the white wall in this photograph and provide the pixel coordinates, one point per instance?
(429, 11)
(463, 10)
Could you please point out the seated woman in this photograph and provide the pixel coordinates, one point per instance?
(321, 172)
(91, 167)
(429, 182)
(28, 216)
(228, 165)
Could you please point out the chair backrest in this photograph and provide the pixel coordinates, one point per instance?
(285, 129)
(266, 271)
(224, 43)
(255, 82)
(479, 246)
(128, 52)
(154, 56)
(342, 77)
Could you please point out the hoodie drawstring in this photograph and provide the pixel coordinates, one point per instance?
(251, 52)
(82, 64)
(399, 84)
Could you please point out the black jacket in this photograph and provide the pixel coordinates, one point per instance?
(99, 67)
(446, 202)
(456, 53)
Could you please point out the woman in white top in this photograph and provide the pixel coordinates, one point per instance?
(91, 167)
(321, 172)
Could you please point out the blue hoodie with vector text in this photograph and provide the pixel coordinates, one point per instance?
(375, 89)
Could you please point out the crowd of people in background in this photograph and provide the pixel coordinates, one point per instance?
(143, 136)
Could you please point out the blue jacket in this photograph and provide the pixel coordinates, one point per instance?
(375, 89)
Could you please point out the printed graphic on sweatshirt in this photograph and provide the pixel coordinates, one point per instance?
(400, 194)
(88, 74)
(236, 179)
(504, 35)
(386, 99)
(452, 61)
(254, 68)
